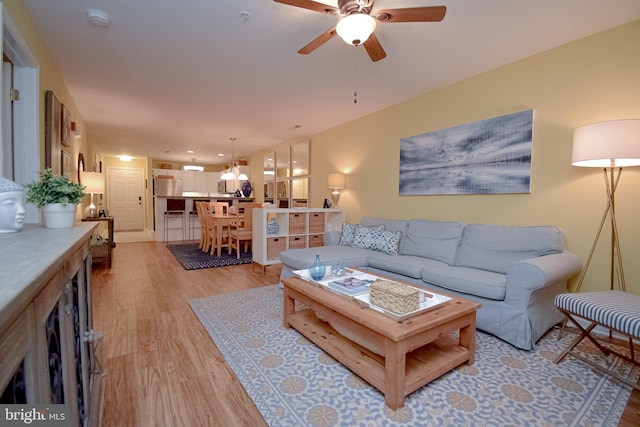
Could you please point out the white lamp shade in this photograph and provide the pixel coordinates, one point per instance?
(356, 28)
(614, 143)
(336, 180)
(93, 182)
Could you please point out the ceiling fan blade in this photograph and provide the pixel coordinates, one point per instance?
(318, 41)
(374, 48)
(311, 5)
(412, 14)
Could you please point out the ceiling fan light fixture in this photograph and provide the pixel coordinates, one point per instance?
(356, 28)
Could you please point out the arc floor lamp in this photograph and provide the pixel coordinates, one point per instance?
(611, 146)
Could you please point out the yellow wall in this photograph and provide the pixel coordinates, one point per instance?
(590, 80)
(50, 79)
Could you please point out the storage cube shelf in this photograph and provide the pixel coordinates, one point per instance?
(297, 228)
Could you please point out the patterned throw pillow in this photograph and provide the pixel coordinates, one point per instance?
(389, 242)
(348, 231)
(365, 237)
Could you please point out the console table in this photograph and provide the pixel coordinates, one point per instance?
(46, 337)
(103, 252)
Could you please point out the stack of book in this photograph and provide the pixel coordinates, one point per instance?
(350, 285)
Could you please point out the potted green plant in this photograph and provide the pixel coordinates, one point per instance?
(56, 196)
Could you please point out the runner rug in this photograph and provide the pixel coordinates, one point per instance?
(191, 257)
(294, 383)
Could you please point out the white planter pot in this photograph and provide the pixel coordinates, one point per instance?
(57, 215)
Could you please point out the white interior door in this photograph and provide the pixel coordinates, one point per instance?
(124, 192)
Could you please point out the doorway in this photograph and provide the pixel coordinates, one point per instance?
(19, 124)
(125, 196)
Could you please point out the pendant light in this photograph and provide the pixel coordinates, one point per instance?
(234, 170)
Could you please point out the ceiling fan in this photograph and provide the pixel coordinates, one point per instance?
(357, 25)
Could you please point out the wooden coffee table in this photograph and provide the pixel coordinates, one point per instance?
(416, 351)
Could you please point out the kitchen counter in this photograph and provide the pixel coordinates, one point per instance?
(208, 196)
(190, 223)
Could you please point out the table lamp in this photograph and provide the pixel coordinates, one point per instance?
(336, 182)
(94, 184)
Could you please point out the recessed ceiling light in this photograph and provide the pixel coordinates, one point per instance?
(125, 158)
(190, 151)
(98, 18)
(220, 155)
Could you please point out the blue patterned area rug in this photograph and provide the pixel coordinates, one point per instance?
(294, 383)
(191, 257)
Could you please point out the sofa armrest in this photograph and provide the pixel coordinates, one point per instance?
(534, 273)
(332, 237)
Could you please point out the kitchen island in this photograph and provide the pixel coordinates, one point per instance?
(186, 227)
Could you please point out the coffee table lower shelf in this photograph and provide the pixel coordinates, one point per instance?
(422, 365)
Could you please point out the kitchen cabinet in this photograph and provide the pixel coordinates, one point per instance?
(196, 182)
(189, 181)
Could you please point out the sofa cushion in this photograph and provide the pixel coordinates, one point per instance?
(367, 237)
(389, 242)
(348, 231)
(481, 283)
(299, 259)
(389, 224)
(496, 247)
(437, 240)
(407, 265)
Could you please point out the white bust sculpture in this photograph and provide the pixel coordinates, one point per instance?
(11, 206)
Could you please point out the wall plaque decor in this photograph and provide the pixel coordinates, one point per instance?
(67, 165)
(52, 132)
(490, 156)
(65, 136)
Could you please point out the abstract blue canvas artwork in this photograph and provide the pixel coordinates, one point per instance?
(490, 156)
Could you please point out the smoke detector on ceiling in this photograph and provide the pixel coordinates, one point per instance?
(98, 18)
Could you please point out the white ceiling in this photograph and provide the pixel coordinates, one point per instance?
(170, 76)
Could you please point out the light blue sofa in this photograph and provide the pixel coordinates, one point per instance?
(514, 272)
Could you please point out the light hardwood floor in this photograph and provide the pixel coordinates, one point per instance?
(160, 366)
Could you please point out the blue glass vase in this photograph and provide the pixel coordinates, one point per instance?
(317, 269)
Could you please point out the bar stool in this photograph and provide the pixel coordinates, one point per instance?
(175, 209)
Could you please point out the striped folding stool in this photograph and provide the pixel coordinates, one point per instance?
(616, 310)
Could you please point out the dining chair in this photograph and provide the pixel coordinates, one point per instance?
(201, 208)
(218, 209)
(242, 230)
(193, 214)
